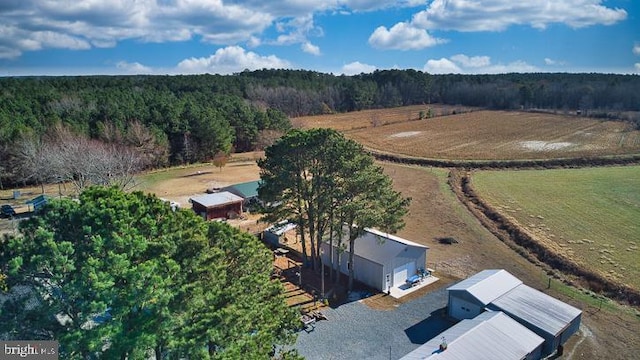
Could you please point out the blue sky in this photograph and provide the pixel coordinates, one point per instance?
(83, 37)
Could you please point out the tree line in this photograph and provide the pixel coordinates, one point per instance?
(193, 118)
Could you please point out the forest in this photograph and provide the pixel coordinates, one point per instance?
(184, 119)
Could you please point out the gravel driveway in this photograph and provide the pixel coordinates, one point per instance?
(355, 331)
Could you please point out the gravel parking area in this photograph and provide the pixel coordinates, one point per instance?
(356, 331)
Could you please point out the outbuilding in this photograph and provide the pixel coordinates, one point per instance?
(554, 320)
(469, 297)
(280, 234)
(490, 335)
(246, 190)
(221, 205)
(498, 290)
(380, 260)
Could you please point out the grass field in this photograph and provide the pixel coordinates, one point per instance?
(589, 215)
(485, 135)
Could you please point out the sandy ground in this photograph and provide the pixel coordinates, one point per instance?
(194, 181)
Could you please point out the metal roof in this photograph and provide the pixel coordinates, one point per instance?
(380, 247)
(281, 227)
(537, 308)
(490, 335)
(216, 199)
(487, 285)
(246, 190)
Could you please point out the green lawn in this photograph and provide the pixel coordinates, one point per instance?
(590, 215)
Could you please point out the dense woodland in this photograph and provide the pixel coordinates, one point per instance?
(183, 119)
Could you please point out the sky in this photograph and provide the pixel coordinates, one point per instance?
(108, 37)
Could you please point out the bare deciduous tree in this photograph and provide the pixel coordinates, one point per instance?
(63, 156)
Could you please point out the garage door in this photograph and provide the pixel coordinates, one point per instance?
(401, 273)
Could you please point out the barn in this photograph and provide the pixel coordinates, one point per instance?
(221, 205)
(498, 290)
(468, 298)
(246, 190)
(490, 335)
(381, 260)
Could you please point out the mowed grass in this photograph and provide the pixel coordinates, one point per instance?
(591, 216)
(501, 135)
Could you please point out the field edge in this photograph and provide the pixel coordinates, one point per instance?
(516, 238)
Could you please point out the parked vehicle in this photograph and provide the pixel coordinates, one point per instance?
(6, 211)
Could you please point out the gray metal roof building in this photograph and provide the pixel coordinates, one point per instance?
(498, 290)
(490, 335)
(469, 297)
(545, 315)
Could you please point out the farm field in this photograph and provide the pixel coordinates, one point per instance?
(489, 135)
(589, 216)
(376, 117)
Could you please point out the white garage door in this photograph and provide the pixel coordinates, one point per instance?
(401, 273)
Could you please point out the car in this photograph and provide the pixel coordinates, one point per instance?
(7, 210)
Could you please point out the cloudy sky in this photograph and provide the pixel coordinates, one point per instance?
(73, 37)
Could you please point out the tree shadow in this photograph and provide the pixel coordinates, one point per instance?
(430, 327)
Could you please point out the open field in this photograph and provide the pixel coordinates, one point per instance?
(488, 135)
(589, 216)
(376, 117)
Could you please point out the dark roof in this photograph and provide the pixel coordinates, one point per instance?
(246, 190)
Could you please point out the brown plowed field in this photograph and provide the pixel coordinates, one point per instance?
(487, 135)
(376, 117)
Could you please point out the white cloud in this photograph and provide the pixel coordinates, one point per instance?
(472, 62)
(297, 31)
(134, 68)
(463, 64)
(310, 48)
(9, 53)
(552, 62)
(402, 36)
(29, 25)
(357, 67)
(230, 60)
(636, 49)
(497, 15)
(442, 66)
(637, 66)
(253, 42)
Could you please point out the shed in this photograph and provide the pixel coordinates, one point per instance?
(38, 202)
(555, 321)
(246, 190)
(381, 260)
(491, 335)
(469, 297)
(280, 234)
(222, 205)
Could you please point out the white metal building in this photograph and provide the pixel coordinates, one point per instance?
(468, 298)
(498, 290)
(552, 319)
(381, 260)
(491, 335)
